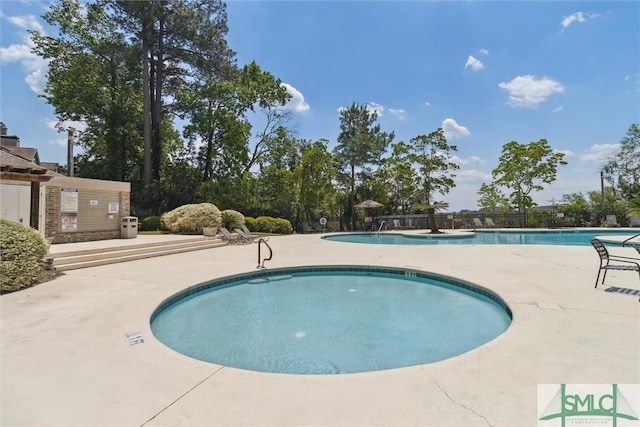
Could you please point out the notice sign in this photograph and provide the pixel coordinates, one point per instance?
(114, 207)
(69, 200)
(69, 222)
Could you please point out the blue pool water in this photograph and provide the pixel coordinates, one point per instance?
(328, 320)
(551, 237)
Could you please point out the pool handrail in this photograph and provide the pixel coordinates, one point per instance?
(632, 237)
(261, 264)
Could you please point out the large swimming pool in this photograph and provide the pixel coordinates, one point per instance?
(330, 319)
(484, 237)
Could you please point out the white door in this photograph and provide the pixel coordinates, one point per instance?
(15, 202)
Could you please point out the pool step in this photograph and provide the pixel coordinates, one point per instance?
(73, 260)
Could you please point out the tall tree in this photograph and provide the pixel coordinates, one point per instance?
(491, 198)
(524, 168)
(400, 177)
(623, 170)
(314, 174)
(361, 143)
(217, 110)
(432, 154)
(93, 77)
(178, 38)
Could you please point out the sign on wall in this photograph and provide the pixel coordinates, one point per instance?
(69, 200)
(69, 222)
(114, 207)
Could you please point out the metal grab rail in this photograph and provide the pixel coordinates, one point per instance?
(381, 224)
(261, 265)
(630, 238)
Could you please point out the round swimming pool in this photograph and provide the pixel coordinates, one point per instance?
(330, 320)
(485, 237)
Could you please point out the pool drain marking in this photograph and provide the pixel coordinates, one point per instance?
(135, 338)
(549, 306)
(300, 335)
(352, 290)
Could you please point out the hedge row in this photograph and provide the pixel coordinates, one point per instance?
(267, 224)
(22, 253)
(189, 219)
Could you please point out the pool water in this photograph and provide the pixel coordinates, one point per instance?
(330, 321)
(553, 237)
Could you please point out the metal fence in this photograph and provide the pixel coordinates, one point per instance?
(533, 219)
(475, 220)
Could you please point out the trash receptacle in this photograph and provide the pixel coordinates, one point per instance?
(129, 228)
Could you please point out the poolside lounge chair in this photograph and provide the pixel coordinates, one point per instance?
(397, 224)
(477, 223)
(317, 227)
(226, 235)
(613, 262)
(305, 227)
(489, 222)
(244, 228)
(634, 221)
(248, 237)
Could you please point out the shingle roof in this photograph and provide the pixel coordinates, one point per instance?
(18, 168)
(29, 154)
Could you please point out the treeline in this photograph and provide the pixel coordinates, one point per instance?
(134, 70)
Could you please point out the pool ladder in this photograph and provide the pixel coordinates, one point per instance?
(382, 224)
(261, 263)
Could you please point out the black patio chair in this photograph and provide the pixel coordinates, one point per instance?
(613, 262)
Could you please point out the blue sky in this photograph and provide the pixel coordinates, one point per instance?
(486, 72)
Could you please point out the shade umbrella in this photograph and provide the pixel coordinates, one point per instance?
(368, 204)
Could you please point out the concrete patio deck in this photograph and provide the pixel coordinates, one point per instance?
(65, 358)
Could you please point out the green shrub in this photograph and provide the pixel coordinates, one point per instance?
(151, 223)
(231, 219)
(267, 224)
(22, 252)
(189, 219)
(282, 226)
(250, 223)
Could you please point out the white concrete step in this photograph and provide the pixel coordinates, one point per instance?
(72, 260)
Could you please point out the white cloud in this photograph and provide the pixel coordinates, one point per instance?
(576, 17)
(474, 64)
(527, 91)
(567, 153)
(473, 160)
(296, 103)
(453, 130)
(28, 22)
(472, 175)
(15, 53)
(557, 109)
(371, 107)
(397, 113)
(484, 51)
(53, 124)
(375, 107)
(427, 103)
(33, 65)
(600, 152)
